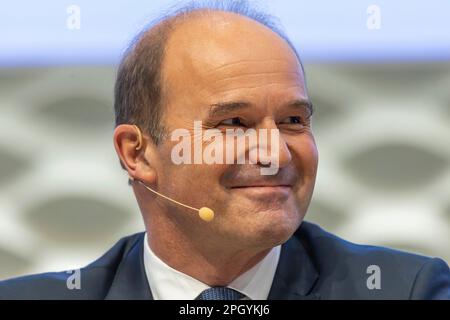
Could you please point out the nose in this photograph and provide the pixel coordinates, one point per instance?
(272, 146)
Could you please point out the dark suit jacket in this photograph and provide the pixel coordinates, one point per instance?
(314, 264)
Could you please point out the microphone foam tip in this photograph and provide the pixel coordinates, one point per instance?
(206, 214)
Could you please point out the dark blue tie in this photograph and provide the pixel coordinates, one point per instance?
(220, 293)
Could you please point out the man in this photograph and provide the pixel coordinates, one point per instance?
(229, 68)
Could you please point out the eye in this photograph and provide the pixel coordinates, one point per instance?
(232, 122)
(292, 120)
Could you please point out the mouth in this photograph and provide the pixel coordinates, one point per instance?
(262, 191)
(263, 186)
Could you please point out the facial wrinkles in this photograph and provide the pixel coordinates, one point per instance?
(252, 74)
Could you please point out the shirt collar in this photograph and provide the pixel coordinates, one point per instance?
(167, 283)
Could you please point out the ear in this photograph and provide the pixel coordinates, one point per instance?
(133, 147)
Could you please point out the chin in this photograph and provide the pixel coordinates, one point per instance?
(276, 229)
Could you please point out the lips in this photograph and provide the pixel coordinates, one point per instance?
(262, 186)
(263, 183)
(248, 181)
(264, 193)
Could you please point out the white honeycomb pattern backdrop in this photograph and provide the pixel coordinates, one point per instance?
(383, 133)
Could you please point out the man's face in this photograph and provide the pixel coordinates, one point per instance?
(212, 62)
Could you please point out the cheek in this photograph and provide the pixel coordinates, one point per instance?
(194, 180)
(305, 156)
(311, 158)
(191, 177)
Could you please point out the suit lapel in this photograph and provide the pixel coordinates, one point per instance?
(294, 278)
(130, 281)
(295, 275)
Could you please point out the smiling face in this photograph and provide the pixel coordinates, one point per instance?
(231, 72)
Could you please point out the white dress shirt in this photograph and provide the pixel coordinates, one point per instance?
(167, 283)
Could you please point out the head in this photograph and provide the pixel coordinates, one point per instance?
(229, 68)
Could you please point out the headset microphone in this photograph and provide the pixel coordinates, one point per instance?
(204, 213)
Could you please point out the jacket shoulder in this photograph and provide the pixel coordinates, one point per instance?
(369, 272)
(90, 282)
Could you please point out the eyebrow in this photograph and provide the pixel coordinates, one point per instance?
(223, 108)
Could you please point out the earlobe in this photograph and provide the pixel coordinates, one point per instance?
(148, 176)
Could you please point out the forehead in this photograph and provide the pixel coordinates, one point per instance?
(222, 54)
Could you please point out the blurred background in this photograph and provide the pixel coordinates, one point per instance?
(378, 74)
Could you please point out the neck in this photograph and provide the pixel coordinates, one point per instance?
(214, 263)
